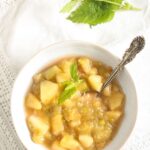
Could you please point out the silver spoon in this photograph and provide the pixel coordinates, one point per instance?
(136, 46)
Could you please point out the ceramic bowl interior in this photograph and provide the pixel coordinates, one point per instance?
(51, 54)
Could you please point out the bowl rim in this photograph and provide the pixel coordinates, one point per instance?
(42, 50)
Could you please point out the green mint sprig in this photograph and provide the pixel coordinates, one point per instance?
(70, 86)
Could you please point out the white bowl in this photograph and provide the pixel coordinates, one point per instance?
(48, 56)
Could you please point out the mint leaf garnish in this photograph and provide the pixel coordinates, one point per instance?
(95, 12)
(66, 94)
(70, 86)
(74, 72)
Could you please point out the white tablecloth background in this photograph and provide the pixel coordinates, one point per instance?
(26, 26)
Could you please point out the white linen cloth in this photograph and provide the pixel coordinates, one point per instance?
(26, 26)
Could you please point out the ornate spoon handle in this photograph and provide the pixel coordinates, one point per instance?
(136, 46)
